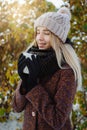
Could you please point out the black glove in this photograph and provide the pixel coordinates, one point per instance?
(28, 80)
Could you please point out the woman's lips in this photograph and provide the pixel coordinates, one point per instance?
(41, 44)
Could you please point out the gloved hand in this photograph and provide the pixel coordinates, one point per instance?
(28, 80)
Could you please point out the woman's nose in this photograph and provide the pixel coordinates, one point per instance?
(41, 36)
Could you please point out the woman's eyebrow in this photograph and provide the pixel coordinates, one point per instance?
(45, 30)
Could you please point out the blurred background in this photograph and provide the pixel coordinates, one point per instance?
(16, 33)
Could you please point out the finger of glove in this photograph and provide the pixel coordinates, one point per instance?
(32, 68)
(23, 61)
(36, 63)
(22, 66)
(21, 57)
(30, 64)
(36, 67)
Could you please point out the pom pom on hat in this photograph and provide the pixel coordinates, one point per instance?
(66, 11)
(56, 22)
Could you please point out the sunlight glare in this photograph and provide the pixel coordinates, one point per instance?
(57, 3)
(21, 1)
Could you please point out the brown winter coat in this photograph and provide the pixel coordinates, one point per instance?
(49, 104)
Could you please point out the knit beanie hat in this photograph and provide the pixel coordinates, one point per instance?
(56, 22)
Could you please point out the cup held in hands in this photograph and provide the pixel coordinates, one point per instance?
(27, 55)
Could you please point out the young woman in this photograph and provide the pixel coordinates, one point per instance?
(50, 75)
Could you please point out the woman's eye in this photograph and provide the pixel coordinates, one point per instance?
(37, 32)
(46, 33)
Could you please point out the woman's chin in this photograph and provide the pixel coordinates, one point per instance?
(42, 47)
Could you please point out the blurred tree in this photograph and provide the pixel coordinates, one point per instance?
(78, 35)
(16, 32)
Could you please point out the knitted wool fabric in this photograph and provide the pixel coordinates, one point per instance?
(57, 22)
(47, 61)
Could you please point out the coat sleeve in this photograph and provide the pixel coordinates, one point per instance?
(55, 111)
(19, 101)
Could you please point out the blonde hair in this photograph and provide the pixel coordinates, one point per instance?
(67, 53)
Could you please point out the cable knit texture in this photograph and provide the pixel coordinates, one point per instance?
(57, 22)
(49, 104)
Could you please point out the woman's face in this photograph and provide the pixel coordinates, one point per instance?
(43, 38)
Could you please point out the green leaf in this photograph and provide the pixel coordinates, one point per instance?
(2, 111)
(1, 95)
(85, 27)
